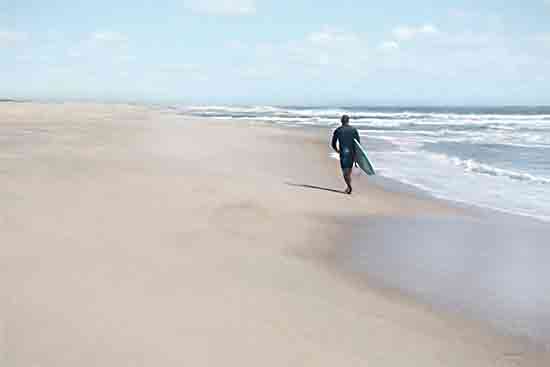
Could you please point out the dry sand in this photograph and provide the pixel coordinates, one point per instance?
(133, 237)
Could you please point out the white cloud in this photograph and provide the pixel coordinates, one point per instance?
(10, 38)
(177, 71)
(222, 7)
(74, 52)
(327, 53)
(542, 37)
(407, 33)
(466, 56)
(389, 45)
(458, 13)
(332, 36)
(105, 45)
(108, 37)
(330, 46)
(235, 45)
(179, 68)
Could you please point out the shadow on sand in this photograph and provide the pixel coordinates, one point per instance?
(313, 187)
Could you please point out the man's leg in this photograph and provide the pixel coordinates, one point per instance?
(347, 177)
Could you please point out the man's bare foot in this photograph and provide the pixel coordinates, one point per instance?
(349, 190)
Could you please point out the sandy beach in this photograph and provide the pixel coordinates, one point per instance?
(132, 236)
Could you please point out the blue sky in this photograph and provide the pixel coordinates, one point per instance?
(277, 52)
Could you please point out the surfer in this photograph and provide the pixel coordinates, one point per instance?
(345, 135)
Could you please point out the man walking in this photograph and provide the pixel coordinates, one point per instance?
(344, 136)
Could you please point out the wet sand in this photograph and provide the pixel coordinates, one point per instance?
(126, 239)
(490, 266)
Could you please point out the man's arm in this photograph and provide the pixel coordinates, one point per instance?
(334, 140)
(356, 136)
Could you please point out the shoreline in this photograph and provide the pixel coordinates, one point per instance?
(477, 216)
(394, 184)
(138, 239)
(361, 276)
(465, 211)
(437, 160)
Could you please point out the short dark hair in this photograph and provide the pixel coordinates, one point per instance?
(345, 119)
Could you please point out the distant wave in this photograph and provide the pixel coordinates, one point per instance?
(470, 165)
(519, 127)
(372, 117)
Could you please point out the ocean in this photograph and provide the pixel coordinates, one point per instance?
(491, 157)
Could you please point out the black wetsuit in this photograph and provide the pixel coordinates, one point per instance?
(345, 135)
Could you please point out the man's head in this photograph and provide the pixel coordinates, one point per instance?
(345, 120)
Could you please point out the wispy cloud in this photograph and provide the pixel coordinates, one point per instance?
(466, 55)
(179, 68)
(221, 7)
(332, 36)
(406, 33)
(182, 72)
(108, 37)
(235, 45)
(339, 51)
(543, 37)
(389, 45)
(103, 44)
(330, 46)
(10, 38)
(459, 13)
